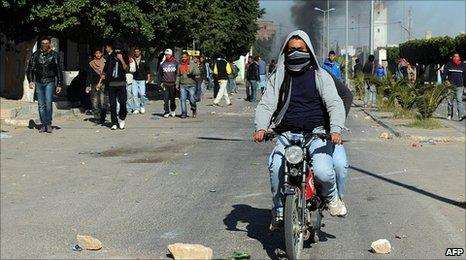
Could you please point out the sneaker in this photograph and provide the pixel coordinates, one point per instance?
(114, 127)
(194, 114)
(173, 114)
(276, 224)
(216, 105)
(49, 129)
(448, 117)
(135, 112)
(462, 118)
(122, 124)
(42, 129)
(143, 110)
(230, 104)
(166, 115)
(336, 207)
(184, 116)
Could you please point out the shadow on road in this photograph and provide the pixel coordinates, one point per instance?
(257, 227)
(222, 139)
(412, 188)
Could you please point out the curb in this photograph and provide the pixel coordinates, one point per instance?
(388, 126)
(401, 134)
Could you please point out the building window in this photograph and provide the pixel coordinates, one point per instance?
(378, 30)
(378, 12)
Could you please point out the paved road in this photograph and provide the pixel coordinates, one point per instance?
(202, 180)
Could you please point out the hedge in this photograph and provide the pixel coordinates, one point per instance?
(433, 51)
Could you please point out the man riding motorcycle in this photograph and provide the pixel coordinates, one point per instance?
(301, 98)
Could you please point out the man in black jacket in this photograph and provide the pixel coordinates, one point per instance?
(253, 78)
(44, 73)
(370, 91)
(114, 73)
(455, 73)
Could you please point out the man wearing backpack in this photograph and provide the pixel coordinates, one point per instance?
(114, 73)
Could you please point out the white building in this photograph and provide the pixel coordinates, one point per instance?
(380, 24)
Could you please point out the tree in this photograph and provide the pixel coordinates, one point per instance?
(227, 27)
(263, 47)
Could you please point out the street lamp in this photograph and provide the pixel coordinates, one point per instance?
(326, 14)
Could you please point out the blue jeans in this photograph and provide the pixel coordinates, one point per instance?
(184, 92)
(340, 165)
(45, 97)
(252, 90)
(322, 160)
(129, 98)
(139, 94)
(459, 103)
(232, 85)
(263, 82)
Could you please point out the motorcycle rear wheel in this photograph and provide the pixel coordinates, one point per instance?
(294, 237)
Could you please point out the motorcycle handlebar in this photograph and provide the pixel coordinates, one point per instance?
(307, 137)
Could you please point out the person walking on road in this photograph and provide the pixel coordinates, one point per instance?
(114, 74)
(380, 72)
(332, 66)
(44, 73)
(186, 83)
(129, 86)
(455, 73)
(272, 66)
(204, 72)
(232, 87)
(262, 74)
(357, 67)
(141, 77)
(222, 70)
(99, 97)
(370, 91)
(253, 79)
(167, 75)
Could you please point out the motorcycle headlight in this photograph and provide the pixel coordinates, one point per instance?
(294, 154)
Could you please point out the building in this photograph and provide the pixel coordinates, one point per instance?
(380, 24)
(266, 30)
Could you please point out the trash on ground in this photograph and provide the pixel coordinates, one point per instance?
(212, 190)
(213, 113)
(83, 163)
(430, 141)
(384, 135)
(76, 248)
(239, 255)
(367, 117)
(173, 173)
(89, 242)
(190, 251)
(4, 136)
(186, 154)
(381, 246)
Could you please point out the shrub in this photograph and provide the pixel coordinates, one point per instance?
(431, 97)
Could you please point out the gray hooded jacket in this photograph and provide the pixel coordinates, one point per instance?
(325, 86)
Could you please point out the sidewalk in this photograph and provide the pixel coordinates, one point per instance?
(453, 131)
(19, 113)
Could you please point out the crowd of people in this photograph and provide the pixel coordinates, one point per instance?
(116, 81)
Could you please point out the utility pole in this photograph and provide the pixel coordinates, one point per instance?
(371, 30)
(346, 44)
(410, 22)
(328, 26)
(326, 14)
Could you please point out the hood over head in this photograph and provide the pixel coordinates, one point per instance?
(303, 35)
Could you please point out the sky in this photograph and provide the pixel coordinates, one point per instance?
(441, 17)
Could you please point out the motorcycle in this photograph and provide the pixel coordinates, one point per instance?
(302, 205)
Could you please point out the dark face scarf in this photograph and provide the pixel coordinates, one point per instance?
(297, 62)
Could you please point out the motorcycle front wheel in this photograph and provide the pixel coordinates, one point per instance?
(294, 237)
